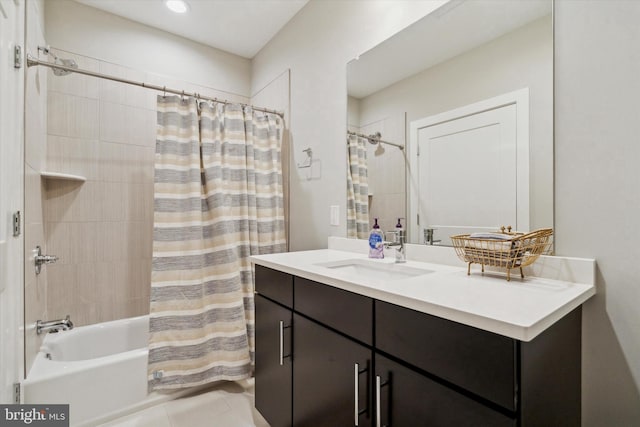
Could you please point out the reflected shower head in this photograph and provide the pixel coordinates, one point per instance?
(64, 62)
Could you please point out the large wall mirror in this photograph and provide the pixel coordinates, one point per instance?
(467, 91)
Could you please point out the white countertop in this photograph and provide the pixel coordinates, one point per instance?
(520, 309)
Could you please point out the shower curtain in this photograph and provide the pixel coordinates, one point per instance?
(218, 200)
(357, 189)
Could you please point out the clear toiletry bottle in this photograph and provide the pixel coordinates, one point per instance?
(376, 242)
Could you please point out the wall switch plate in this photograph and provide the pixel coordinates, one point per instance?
(334, 218)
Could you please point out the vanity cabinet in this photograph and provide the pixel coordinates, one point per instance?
(273, 369)
(326, 369)
(359, 361)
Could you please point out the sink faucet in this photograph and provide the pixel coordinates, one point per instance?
(428, 236)
(398, 243)
(54, 325)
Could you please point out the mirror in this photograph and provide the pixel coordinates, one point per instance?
(468, 92)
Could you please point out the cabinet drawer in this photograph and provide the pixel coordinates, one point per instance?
(345, 311)
(275, 285)
(478, 361)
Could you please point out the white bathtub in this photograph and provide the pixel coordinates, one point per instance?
(99, 370)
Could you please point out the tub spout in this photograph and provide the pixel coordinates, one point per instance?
(54, 325)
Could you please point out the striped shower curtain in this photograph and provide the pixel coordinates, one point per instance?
(357, 189)
(218, 200)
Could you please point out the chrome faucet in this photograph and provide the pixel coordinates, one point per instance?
(40, 259)
(54, 325)
(398, 243)
(428, 236)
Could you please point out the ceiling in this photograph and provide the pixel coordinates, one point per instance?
(241, 27)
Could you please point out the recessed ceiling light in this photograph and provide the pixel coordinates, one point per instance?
(177, 6)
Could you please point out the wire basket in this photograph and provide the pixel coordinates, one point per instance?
(516, 250)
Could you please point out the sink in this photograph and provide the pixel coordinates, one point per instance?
(373, 270)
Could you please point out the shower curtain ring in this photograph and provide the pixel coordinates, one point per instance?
(164, 91)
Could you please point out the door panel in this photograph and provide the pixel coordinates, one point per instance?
(324, 377)
(273, 380)
(410, 399)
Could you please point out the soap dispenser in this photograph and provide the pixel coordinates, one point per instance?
(376, 241)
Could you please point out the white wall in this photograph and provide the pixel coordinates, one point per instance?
(597, 196)
(91, 32)
(11, 181)
(316, 45)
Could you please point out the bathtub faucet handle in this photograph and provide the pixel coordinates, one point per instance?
(54, 325)
(40, 259)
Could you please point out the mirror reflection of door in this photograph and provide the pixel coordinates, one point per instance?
(467, 173)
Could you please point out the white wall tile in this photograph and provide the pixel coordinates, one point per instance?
(113, 120)
(72, 116)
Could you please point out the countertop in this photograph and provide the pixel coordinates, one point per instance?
(520, 309)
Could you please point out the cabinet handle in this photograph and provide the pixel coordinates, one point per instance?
(281, 343)
(281, 334)
(356, 413)
(378, 386)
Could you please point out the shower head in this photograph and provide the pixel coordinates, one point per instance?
(66, 63)
(60, 61)
(374, 138)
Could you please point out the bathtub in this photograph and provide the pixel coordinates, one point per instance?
(99, 370)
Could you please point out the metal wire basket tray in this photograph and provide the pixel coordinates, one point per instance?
(506, 250)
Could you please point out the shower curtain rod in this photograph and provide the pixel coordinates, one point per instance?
(31, 61)
(375, 139)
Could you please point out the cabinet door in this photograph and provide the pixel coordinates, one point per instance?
(325, 381)
(273, 363)
(406, 398)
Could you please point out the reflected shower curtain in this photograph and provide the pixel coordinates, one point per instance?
(218, 200)
(357, 189)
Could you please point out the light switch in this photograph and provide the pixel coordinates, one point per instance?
(335, 215)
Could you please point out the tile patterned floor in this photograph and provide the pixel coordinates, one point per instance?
(230, 405)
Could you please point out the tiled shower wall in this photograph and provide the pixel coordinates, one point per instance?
(102, 229)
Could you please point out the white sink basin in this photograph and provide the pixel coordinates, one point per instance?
(373, 270)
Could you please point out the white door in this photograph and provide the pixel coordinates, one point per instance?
(466, 171)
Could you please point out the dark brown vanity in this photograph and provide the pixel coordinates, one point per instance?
(330, 357)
